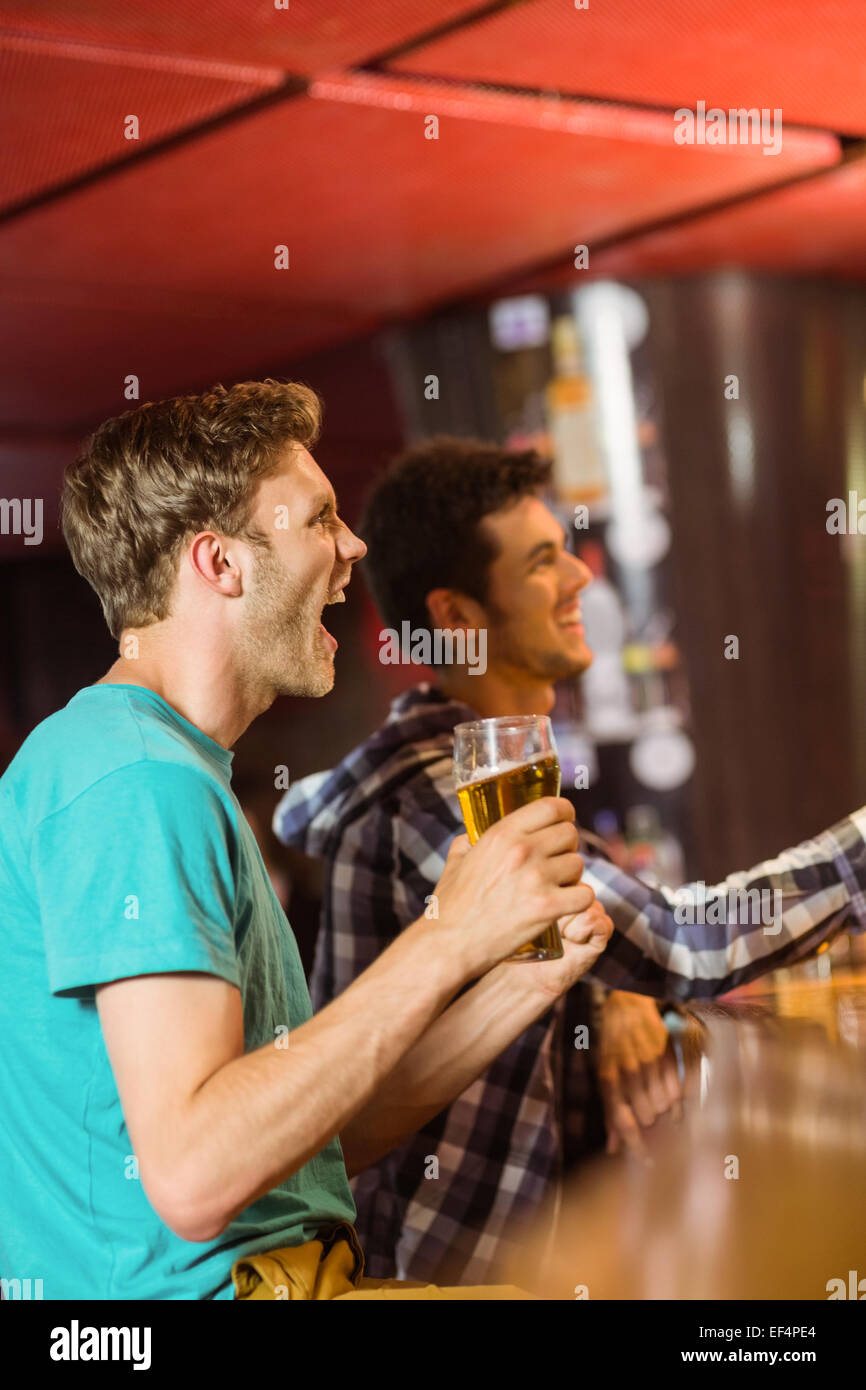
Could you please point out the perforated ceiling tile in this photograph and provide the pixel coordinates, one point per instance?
(304, 36)
(816, 228)
(803, 57)
(65, 111)
(376, 219)
(166, 266)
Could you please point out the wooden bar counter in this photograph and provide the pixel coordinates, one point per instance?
(759, 1191)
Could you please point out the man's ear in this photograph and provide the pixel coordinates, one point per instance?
(448, 608)
(212, 560)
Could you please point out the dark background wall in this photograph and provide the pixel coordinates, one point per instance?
(779, 731)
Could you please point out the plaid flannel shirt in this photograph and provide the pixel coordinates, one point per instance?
(383, 821)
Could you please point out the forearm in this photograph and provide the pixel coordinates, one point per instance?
(455, 1049)
(260, 1117)
(702, 940)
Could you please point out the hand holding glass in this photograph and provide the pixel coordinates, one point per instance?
(500, 764)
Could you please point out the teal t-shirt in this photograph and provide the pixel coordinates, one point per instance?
(123, 851)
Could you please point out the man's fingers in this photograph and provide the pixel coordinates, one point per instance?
(559, 838)
(655, 1088)
(636, 1092)
(536, 815)
(671, 1083)
(458, 848)
(583, 926)
(570, 900)
(567, 868)
(622, 1127)
(656, 1038)
(622, 1058)
(635, 1088)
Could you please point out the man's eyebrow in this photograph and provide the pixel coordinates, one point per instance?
(325, 501)
(542, 548)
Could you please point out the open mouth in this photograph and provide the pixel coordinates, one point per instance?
(329, 637)
(571, 618)
(338, 597)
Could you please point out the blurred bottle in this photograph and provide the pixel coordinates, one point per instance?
(578, 467)
(654, 853)
(606, 826)
(662, 756)
(578, 759)
(656, 675)
(606, 693)
(647, 682)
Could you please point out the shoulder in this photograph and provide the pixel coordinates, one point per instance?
(96, 751)
(178, 798)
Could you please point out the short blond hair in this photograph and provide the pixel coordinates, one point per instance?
(153, 477)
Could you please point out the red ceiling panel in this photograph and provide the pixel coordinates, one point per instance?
(806, 58)
(63, 109)
(305, 37)
(816, 228)
(379, 220)
(165, 268)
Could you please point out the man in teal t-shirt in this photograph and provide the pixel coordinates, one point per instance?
(122, 838)
(168, 1103)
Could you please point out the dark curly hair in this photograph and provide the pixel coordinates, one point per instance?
(421, 521)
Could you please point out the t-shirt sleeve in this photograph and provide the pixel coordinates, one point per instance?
(138, 876)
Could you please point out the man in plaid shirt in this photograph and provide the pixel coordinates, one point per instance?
(457, 534)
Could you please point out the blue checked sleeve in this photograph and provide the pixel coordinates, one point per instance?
(701, 941)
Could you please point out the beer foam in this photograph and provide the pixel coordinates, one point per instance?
(486, 774)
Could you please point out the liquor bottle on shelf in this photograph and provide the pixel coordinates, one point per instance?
(579, 473)
(654, 853)
(606, 827)
(647, 684)
(606, 692)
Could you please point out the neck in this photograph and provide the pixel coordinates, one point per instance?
(194, 679)
(498, 692)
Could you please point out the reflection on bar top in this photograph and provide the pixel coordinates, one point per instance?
(829, 989)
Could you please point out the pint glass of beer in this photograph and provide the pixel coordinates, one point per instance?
(500, 764)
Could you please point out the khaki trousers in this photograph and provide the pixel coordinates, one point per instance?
(332, 1267)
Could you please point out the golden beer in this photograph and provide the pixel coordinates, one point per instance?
(490, 798)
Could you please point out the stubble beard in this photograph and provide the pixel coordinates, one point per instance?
(281, 651)
(508, 649)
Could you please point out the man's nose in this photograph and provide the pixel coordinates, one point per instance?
(350, 546)
(578, 574)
